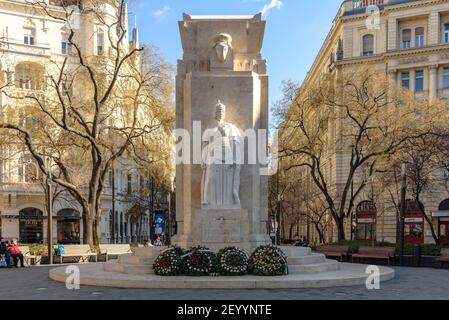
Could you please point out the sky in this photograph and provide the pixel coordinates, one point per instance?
(295, 30)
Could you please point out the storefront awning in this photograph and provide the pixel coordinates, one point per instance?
(438, 214)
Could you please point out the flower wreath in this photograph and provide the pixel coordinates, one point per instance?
(269, 261)
(232, 261)
(169, 262)
(199, 261)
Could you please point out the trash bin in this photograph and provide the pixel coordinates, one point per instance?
(417, 253)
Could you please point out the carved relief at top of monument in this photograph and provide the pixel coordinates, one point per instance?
(199, 32)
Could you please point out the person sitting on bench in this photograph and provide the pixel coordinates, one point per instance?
(15, 253)
(4, 252)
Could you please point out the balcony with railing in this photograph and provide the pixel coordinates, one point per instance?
(18, 46)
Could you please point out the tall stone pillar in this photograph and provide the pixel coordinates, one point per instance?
(433, 83)
(221, 62)
(128, 230)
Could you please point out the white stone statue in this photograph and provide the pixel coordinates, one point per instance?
(221, 163)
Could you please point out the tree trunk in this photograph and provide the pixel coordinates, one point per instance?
(432, 229)
(88, 229)
(340, 228)
(320, 234)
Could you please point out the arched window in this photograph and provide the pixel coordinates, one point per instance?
(29, 76)
(28, 170)
(368, 45)
(419, 37)
(444, 206)
(406, 38)
(443, 223)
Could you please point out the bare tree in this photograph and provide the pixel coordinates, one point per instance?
(355, 117)
(97, 108)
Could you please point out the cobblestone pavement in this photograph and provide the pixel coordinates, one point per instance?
(410, 283)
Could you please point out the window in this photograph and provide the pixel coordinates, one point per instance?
(406, 38)
(28, 36)
(446, 78)
(66, 88)
(28, 170)
(446, 33)
(368, 45)
(111, 178)
(65, 45)
(129, 190)
(419, 37)
(405, 79)
(419, 81)
(29, 76)
(100, 43)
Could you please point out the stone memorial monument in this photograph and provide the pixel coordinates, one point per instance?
(221, 192)
(222, 102)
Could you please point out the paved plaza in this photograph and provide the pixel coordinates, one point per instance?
(409, 283)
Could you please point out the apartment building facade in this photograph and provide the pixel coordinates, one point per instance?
(408, 40)
(33, 45)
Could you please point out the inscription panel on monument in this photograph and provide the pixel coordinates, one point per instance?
(221, 227)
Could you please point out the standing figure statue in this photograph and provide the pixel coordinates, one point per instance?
(221, 163)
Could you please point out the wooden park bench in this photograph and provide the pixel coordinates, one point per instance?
(334, 251)
(443, 257)
(28, 258)
(114, 249)
(381, 253)
(80, 252)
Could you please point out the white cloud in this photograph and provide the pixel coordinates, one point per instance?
(161, 13)
(274, 4)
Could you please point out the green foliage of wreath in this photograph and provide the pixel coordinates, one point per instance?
(232, 261)
(268, 261)
(169, 262)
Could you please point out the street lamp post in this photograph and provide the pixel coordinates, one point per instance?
(352, 212)
(402, 213)
(113, 206)
(49, 215)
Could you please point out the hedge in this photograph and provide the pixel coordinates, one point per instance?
(409, 249)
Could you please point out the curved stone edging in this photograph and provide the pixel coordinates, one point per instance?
(349, 275)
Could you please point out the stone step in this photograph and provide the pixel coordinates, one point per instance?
(296, 252)
(113, 266)
(135, 260)
(133, 269)
(328, 266)
(148, 251)
(314, 258)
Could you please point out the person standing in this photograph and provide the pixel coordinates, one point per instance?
(15, 253)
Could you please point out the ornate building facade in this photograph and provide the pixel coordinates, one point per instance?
(408, 40)
(31, 44)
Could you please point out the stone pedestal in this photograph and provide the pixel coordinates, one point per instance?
(221, 228)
